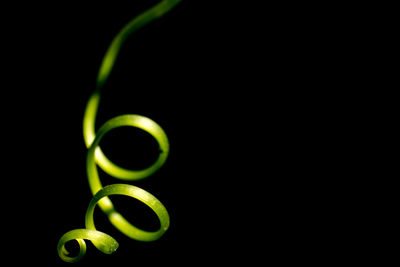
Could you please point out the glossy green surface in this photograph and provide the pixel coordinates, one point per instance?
(95, 157)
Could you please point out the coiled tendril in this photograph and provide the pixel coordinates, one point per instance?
(103, 241)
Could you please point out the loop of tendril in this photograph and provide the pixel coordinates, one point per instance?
(95, 156)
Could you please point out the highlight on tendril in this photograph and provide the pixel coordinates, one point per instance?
(95, 157)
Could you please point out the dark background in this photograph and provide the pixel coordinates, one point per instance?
(255, 150)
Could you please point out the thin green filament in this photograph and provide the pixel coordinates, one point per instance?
(95, 157)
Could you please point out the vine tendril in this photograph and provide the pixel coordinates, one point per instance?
(102, 241)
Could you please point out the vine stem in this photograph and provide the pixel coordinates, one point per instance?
(95, 157)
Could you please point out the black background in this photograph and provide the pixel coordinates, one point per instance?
(233, 86)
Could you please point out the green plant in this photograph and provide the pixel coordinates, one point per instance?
(95, 156)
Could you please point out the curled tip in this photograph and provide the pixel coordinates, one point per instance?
(65, 254)
(101, 241)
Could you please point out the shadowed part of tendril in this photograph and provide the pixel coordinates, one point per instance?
(95, 157)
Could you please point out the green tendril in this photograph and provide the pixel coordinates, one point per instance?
(95, 156)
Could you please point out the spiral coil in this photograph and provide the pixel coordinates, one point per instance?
(95, 156)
